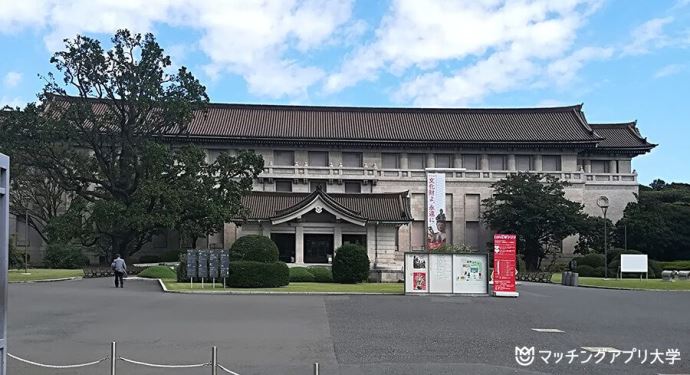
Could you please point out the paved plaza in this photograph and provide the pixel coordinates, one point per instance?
(74, 321)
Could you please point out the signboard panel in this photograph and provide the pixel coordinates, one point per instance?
(213, 265)
(633, 262)
(505, 246)
(470, 274)
(435, 207)
(440, 273)
(203, 264)
(224, 264)
(191, 263)
(416, 267)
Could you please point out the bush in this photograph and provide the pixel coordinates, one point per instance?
(592, 260)
(677, 265)
(171, 256)
(584, 270)
(615, 254)
(15, 257)
(654, 269)
(300, 274)
(158, 272)
(149, 259)
(599, 272)
(64, 256)
(181, 271)
(351, 264)
(255, 248)
(321, 274)
(249, 274)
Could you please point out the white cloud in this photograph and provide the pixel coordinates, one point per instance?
(650, 35)
(669, 70)
(12, 79)
(12, 101)
(562, 71)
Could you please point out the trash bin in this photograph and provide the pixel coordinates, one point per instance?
(683, 275)
(566, 278)
(574, 279)
(667, 275)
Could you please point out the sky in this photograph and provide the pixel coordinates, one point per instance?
(624, 59)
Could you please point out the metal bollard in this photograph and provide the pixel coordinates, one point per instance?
(214, 360)
(113, 357)
(316, 368)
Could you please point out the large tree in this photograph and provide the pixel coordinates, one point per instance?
(109, 133)
(533, 207)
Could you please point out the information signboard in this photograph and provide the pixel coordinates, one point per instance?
(440, 273)
(470, 274)
(446, 273)
(224, 264)
(203, 264)
(634, 263)
(191, 263)
(416, 267)
(504, 265)
(213, 259)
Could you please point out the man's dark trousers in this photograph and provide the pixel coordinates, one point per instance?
(119, 279)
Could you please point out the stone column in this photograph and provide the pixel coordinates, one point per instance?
(337, 237)
(299, 244)
(612, 166)
(484, 163)
(403, 161)
(228, 235)
(537, 162)
(511, 162)
(588, 166)
(430, 162)
(457, 162)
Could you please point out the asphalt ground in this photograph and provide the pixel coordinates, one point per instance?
(75, 321)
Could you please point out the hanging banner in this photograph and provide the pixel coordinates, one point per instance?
(505, 246)
(435, 210)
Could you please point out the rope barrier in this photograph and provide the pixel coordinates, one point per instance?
(226, 370)
(56, 366)
(163, 366)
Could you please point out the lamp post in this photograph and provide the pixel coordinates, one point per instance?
(603, 203)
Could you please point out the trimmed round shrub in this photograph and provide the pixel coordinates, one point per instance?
(599, 272)
(300, 274)
(181, 270)
(250, 274)
(351, 264)
(171, 256)
(149, 259)
(158, 272)
(64, 256)
(321, 274)
(255, 248)
(592, 260)
(584, 270)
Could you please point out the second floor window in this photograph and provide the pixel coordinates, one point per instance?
(313, 185)
(283, 158)
(443, 160)
(551, 163)
(352, 159)
(353, 187)
(390, 161)
(498, 162)
(601, 166)
(470, 162)
(416, 161)
(524, 162)
(284, 185)
(318, 158)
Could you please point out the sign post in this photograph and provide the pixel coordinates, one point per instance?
(505, 246)
(4, 256)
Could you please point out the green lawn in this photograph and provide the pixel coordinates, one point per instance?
(42, 274)
(632, 283)
(390, 288)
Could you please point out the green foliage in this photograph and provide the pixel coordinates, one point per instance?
(321, 274)
(584, 270)
(456, 249)
(592, 260)
(615, 254)
(67, 256)
(158, 272)
(171, 256)
(678, 265)
(249, 274)
(300, 274)
(15, 257)
(351, 264)
(591, 235)
(533, 207)
(659, 223)
(255, 248)
(149, 258)
(181, 270)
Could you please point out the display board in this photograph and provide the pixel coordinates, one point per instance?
(191, 263)
(213, 264)
(203, 264)
(505, 246)
(446, 273)
(224, 264)
(634, 263)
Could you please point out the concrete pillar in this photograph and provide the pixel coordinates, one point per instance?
(371, 242)
(537, 162)
(403, 161)
(337, 237)
(484, 165)
(612, 166)
(588, 166)
(266, 229)
(430, 162)
(228, 235)
(457, 162)
(299, 244)
(511, 162)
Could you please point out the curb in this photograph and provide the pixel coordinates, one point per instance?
(258, 292)
(634, 289)
(45, 280)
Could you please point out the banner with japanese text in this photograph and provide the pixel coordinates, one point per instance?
(435, 210)
(505, 246)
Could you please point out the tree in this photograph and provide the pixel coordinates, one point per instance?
(533, 207)
(591, 232)
(114, 146)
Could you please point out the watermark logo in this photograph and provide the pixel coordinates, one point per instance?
(524, 356)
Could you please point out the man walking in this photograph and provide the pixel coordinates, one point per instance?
(120, 269)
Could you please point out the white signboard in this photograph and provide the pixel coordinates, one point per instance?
(469, 274)
(416, 275)
(441, 273)
(435, 210)
(633, 262)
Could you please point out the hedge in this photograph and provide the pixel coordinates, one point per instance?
(351, 264)
(149, 259)
(677, 265)
(158, 272)
(592, 260)
(250, 274)
(171, 256)
(301, 274)
(254, 248)
(321, 274)
(64, 256)
(584, 270)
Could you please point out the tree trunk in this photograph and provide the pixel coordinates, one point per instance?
(532, 255)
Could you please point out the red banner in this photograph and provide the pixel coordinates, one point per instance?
(504, 265)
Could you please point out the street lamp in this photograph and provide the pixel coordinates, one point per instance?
(603, 203)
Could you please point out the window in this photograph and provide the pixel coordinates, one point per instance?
(470, 162)
(318, 158)
(355, 239)
(390, 161)
(416, 161)
(284, 185)
(443, 160)
(498, 162)
(313, 185)
(600, 166)
(352, 159)
(353, 187)
(283, 158)
(524, 162)
(551, 163)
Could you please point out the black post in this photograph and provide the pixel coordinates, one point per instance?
(606, 255)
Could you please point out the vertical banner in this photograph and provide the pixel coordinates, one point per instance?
(504, 265)
(435, 210)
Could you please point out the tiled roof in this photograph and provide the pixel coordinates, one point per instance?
(391, 207)
(621, 136)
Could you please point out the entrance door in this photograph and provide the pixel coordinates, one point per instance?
(286, 246)
(317, 248)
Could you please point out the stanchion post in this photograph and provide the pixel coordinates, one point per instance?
(113, 358)
(214, 360)
(316, 368)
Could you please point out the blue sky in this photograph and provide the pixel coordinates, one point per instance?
(625, 59)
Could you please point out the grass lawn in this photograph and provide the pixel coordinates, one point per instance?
(629, 283)
(390, 288)
(42, 274)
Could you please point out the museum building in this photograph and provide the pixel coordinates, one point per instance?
(335, 175)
